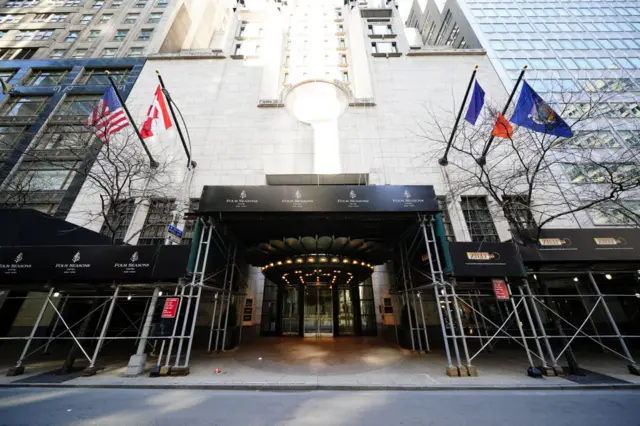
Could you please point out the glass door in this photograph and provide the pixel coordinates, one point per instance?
(290, 318)
(318, 311)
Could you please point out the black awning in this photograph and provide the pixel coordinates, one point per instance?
(92, 264)
(26, 227)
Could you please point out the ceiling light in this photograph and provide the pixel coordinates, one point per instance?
(311, 259)
(355, 262)
(159, 293)
(288, 262)
(271, 264)
(56, 294)
(345, 260)
(299, 260)
(335, 260)
(279, 263)
(323, 260)
(129, 297)
(575, 279)
(535, 277)
(608, 276)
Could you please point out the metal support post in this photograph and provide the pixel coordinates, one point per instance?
(524, 339)
(186, 313)
(413, 297)
(175, 325)
(475, 317)
(137, 362)
(533, 327)
(404, 282)
(18, 369)
(195, 309)
(226, 317)
(454, 337)
(105, 327)
(147, 322)
(459, 319)
(146, 309)
(484, 322)
(55, 324)
(633, 368)
(442, 326)
(424, 323)
(543, 332)
(593, 324)
(215, 302)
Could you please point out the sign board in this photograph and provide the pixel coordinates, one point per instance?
(247, 313)
(318, 198)
(92, 263)
(170, 307)
(174, 234)
(500, 289)
(484, 259)
(582, 245)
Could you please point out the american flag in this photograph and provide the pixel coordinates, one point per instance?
(108, 117)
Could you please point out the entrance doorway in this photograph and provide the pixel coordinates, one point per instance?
(318, 311)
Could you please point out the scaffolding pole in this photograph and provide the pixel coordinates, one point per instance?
(226, 317)
(105, 327)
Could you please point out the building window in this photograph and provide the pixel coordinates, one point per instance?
(446, 219)
(109, 52)
(93, 35)
(105, 18)
(92, 76)
(10, 19)
(452, 36)
(21, 3)
(384, 47)
(57, 138)
(43, 77)
(72, 36)
(518, 212)
(120, 35)
(145, 34)
(162, 3)
(57, 53)
(345, 77)
(135, 52)
(154, 18)
(81, 105)
(605, 173)
(140, 3)
(463, 44)
(380, 29)
(190, 224)
(443, 29)
(40, 17)
(616, 213)
(86, 19)
(7, 75)
(79, 53)
(24, 35)
(44, 175)
(28, 106)
(131, 18)
(589, 140)
(432, 29)
(116, 3)
(9, 54)
(118, 219)
(478, 218)
(632, 138)
(159, 216)
(9, 138)
(98, 4)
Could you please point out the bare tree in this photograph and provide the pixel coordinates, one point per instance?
(536, 178)
(116, 177)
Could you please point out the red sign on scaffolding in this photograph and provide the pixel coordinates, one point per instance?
(170, 307)
(500, 289)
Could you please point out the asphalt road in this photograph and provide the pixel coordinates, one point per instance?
(247, 408)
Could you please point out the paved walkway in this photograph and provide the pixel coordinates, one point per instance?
(362, 363)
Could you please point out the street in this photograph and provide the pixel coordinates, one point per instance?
(41, 406)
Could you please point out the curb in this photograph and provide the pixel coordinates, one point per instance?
(266, 387)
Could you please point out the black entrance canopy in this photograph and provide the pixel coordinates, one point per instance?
(277, 222)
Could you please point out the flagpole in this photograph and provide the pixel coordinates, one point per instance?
(175, 120)
(443, 161)
(153, 163)
(483, 159)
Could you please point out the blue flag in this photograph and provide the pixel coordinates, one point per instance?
(535, 114)
(475, 106)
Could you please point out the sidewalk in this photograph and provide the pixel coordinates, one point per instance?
(358, 364)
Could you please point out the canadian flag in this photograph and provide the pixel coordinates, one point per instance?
(158, 111)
